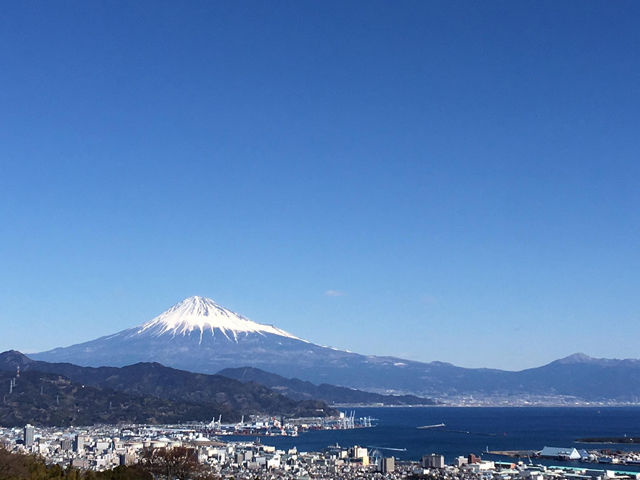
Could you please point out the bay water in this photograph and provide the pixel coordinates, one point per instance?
(476, 430)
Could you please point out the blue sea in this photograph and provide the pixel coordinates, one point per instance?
(492, 429)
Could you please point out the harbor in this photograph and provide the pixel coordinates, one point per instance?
(270, 426)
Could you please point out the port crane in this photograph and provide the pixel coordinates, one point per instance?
(349, 421)
(216, 424)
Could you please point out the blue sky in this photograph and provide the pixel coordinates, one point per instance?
(453, 181)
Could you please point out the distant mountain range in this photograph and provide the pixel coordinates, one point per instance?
(304, 390)
(199, 335)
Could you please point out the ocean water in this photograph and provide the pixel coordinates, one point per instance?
(529, 428)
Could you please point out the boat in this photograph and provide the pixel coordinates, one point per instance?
(425, 427)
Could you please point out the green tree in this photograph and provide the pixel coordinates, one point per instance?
(89, 475)
(13, 466)
(134, 472)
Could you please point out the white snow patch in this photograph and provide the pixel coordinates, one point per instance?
(198, 314)
(334, 348)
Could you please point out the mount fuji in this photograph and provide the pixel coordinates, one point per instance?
(196, 334)
(200, 336)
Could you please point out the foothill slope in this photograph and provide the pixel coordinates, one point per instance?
(192, 396)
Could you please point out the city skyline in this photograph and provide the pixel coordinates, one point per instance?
(434, 181)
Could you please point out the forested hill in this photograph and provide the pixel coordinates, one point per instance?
(179, 395)
(50, 399)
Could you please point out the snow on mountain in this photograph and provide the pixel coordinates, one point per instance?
(200, 315)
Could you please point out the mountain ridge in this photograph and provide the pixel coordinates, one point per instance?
(51, 399)
(301, 389)
(230, 397)
(187, 337)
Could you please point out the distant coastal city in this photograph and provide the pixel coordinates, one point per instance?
(527, 400)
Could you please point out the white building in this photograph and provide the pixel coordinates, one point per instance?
(561, 453)
(433, 461)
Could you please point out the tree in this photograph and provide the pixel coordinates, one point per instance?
(178, 463)
(12, 466)
(15, 466)
(133, 472)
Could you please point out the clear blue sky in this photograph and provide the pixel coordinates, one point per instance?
(454, 181)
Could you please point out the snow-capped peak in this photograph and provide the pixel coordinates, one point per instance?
(201, 314)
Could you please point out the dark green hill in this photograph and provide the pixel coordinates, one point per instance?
(301, 390)
(50, 399)
(152, 379)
